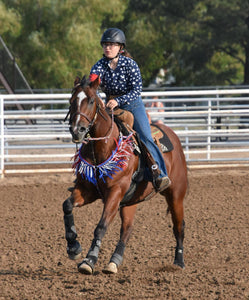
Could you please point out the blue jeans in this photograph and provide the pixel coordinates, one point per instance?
(142, 127)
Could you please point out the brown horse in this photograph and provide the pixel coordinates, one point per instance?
(105, 166)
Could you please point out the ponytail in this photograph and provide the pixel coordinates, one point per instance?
(124, 52)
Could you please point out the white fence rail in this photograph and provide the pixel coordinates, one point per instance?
(213, 126)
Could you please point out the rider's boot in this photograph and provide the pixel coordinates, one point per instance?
(162, 183)
(159, 183)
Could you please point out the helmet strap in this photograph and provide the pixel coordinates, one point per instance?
(110, 59)
(120, 51)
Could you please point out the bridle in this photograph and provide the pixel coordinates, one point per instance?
(91, 122)
(106, 137)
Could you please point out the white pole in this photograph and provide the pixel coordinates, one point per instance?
(209, 129)
(2, 137)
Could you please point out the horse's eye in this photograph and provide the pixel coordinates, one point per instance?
(81, 129)
(91, 100)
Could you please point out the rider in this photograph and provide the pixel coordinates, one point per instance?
(120, 76)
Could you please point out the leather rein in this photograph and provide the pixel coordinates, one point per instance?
(91, 122)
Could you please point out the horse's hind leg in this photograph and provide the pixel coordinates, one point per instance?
(175, 206)
(73, 246)
(127, 216)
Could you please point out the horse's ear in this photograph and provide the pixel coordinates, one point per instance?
(94, 81)
(83, 80)
(77, 80)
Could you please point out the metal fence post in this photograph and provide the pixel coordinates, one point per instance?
(2, 136)
(209, 129)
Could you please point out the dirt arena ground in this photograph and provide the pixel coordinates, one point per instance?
(34, 263)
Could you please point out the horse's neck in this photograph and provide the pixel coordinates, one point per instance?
(104, 136)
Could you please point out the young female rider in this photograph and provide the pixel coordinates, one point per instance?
(120, 76)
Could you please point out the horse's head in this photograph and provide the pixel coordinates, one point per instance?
(84, 107)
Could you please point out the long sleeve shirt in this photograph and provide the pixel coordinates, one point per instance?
(125, 80)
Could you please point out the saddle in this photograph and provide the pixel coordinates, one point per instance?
(126, 126)
(160, 138)
(124, 119)
(125, 116)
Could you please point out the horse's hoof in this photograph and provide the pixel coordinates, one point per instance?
(74, 250)
(85, 269)
(179, 264)
(111, 268)
(74, 257)
(179, 258)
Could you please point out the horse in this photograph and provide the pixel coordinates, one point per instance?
(105, 165)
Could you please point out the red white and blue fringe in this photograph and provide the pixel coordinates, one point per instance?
(115, 163)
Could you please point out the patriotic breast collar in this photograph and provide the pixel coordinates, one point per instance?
(118, 161)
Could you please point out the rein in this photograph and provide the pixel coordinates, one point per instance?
(106, 137)
(86, 140)
(68, 113)
(87, 137)
(91, 122)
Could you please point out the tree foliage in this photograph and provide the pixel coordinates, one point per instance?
(58, 39)
(205, 42)
(198, 42)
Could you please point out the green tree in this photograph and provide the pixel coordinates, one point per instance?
(58, 39)
(199, 42)
(204, 42)
(9, 21)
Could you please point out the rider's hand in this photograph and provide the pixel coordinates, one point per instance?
(112, 103)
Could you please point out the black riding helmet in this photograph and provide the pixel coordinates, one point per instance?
(113, 35)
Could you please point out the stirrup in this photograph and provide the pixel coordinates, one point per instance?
(161, 184)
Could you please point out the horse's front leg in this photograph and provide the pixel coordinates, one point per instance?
(73, 246)
(110, 209)
(127, 216)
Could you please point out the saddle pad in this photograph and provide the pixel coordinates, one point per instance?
(159, 135)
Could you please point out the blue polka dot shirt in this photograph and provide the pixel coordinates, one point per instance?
(125, 80)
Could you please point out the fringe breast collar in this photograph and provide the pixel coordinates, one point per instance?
(118, 161)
